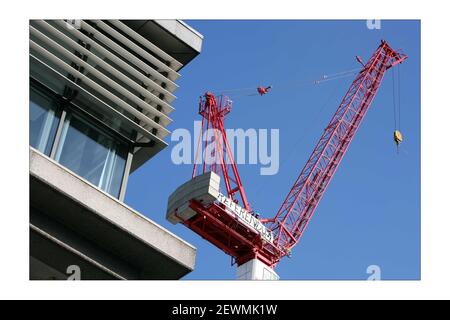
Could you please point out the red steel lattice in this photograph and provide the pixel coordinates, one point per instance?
(216, 225)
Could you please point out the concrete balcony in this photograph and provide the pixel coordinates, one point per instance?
(73, 223)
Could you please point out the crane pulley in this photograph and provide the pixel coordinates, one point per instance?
(231, 225)
(263, 90)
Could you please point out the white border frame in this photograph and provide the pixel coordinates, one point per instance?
(14, 161)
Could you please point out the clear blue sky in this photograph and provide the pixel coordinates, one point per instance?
(370, 214)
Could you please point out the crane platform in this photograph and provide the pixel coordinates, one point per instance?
(201, 206)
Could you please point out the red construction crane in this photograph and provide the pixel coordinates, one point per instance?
(229, 223)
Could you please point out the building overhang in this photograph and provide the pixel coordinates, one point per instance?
(73, 222)
(175, 37)
(121, 72)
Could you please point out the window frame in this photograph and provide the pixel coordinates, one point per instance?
(64, 107)
(57, 111)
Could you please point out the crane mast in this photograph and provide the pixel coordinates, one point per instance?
(218, 158)
(231, 225)
(297, 209)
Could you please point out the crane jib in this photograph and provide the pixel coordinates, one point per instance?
(304, 197)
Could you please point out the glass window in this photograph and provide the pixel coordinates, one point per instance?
(43, 121)
(92, 154)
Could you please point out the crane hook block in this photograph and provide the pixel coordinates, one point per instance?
(398, 138)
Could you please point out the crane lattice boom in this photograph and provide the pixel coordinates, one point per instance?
(218, 159)
(233, 228)
(299, 206)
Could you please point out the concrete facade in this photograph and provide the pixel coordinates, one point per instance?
(97, 231)
(118, 77)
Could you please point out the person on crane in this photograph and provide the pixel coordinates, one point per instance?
(262, 91)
